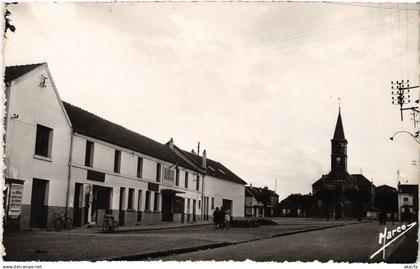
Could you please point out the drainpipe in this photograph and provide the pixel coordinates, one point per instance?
(204, 164)
(69, 174)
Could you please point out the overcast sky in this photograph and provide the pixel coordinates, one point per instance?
(256, 83)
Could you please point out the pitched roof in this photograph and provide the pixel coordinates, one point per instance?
(385, 188)
(339, 130)
(360, 179)
(91, 125)
(214, 168)
(408, 188)
(256, 190)
(14, 72)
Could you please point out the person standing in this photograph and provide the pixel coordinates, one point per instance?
(216, 217)
(222, 217)
(227, 218)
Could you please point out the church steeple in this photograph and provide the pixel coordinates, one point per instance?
(339, 149)
(339, 130)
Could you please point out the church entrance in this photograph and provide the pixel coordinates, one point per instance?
(338, 210)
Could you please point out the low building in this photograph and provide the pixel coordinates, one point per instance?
(408, 202)
(296, 205)
(260, 202)
(62, 159)
(386, 199)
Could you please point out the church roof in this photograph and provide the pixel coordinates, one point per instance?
(339, 130)
(359, 179)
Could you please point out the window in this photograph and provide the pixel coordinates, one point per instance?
(212, 202)
(156, 203)
(139, 167)
(43, 141)
(117, 161)
(158, 172)
(405, 199)
(147, 203)
(130, 199)
(197, 184)
(168, 174)
(199, 204)
(186, 179)
(177, 177)
(89, 154)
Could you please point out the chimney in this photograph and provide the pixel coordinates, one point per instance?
(192, 151)
(204, 159)
(198, 149)
(171, 144)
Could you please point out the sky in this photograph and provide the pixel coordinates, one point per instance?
(256, 83)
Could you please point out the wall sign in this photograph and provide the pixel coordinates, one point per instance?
(15, 202)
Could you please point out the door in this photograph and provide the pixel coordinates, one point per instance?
(77, 209)
(338, 211)
(121, 207)
(227, 204)
(193, 211)
(38, 208)
(139, 206)
(167, 206)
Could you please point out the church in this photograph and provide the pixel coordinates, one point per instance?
(340, 194)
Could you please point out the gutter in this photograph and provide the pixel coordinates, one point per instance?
(69, 174)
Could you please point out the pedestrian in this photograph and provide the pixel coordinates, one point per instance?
(392, 218)
(381, 217)
(216, 214)
(227, 218)
(222, 217)
(385, 217)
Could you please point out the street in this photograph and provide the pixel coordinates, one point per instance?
(291, 240)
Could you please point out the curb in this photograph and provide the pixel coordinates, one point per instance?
(164, 253)
(159, 228)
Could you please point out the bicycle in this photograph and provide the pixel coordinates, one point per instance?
(109, 225)
(62, 222)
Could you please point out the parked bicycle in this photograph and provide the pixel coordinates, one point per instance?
(62, 222)
(109, 225)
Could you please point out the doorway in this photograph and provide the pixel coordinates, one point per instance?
(39, 210)
(338, 212)
(193, 211)
(77, 202)
(121, 207)
(227, 204)
(167, 206)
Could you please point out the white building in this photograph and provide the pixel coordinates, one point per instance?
(67, 159)
(408, 199)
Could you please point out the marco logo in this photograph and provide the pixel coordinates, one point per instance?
(392, 235)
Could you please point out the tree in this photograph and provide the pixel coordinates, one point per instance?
(7, 22)
(264, 197)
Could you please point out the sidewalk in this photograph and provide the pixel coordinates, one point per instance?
(126, 229)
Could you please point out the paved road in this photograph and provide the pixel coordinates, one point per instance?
(354, 243)
(90, 245)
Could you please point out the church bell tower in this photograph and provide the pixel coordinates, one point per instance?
(339, 149)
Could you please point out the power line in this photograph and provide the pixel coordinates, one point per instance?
(369, 6)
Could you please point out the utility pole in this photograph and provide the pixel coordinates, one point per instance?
(275, 185)
(401, 97)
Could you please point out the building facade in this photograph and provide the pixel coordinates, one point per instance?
(340, 194)
(61, 158)
(408, 202)
(260, 202)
